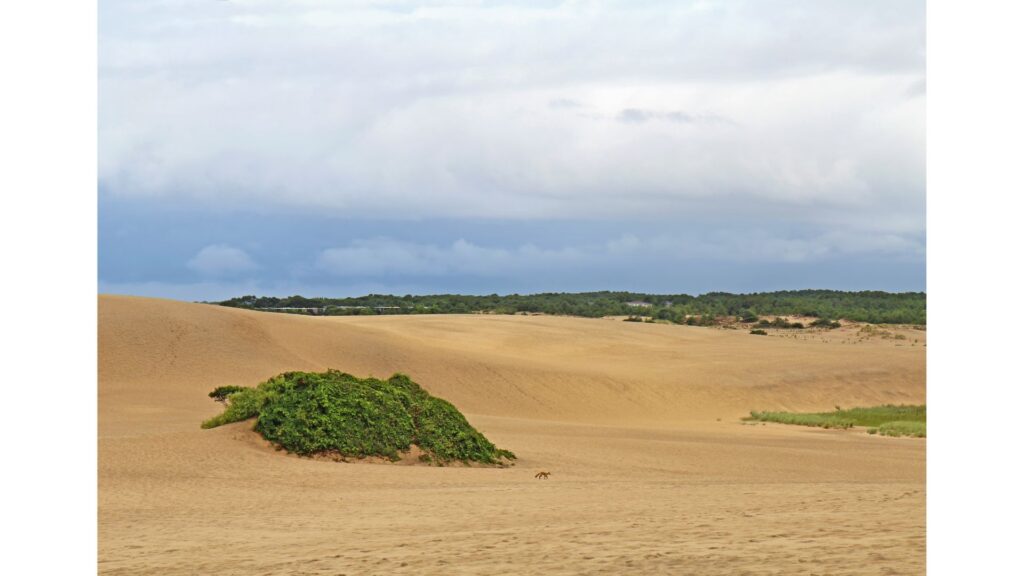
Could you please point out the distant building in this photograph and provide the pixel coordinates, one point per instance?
(636, 304)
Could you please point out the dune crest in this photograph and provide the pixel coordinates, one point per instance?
(557, 368)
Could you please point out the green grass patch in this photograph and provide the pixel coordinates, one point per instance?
(887, 420)
(904, 428)
(823, 420)
(333, 412)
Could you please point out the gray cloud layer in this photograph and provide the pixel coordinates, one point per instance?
(814, 110)
(344, 147)
(384, 257)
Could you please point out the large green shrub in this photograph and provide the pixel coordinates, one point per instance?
(334, 412)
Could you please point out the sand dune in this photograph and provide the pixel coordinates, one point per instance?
(652, 470)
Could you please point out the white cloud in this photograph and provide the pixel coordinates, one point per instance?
(220, 260)
(572, 110)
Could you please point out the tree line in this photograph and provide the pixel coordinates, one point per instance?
(866, 306)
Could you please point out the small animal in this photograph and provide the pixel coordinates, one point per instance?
(542, 475)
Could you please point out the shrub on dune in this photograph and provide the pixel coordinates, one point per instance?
(333, 412)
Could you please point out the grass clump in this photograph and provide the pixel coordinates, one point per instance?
(333, 412)
(887, 420)
(824, 420)
(758, 332)
(904, 428)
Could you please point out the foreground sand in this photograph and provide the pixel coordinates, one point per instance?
(652, 472)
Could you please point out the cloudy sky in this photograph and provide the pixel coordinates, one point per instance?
(339, 148)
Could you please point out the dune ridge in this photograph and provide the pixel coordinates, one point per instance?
(652, 471)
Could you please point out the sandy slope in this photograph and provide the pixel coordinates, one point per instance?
(652, 472)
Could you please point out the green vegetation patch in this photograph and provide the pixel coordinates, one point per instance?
(822, 420)
(704, 310)
(221, 393)
(826, 323)
(887, 420)
(333, 412)
(780, 323)
(903, 428)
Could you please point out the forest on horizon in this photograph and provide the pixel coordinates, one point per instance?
(876, 307)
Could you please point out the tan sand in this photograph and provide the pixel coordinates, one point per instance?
(652, 471)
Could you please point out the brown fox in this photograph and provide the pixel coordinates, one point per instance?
(542, 475)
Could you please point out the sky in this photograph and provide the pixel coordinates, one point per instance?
(332, 148)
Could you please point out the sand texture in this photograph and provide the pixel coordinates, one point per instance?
(652, 471)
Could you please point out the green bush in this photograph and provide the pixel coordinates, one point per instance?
(241, 405)
(825, 323)
(779, 323)
(221, 393)
(333, 412)
(759, 332)
(705, 320)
